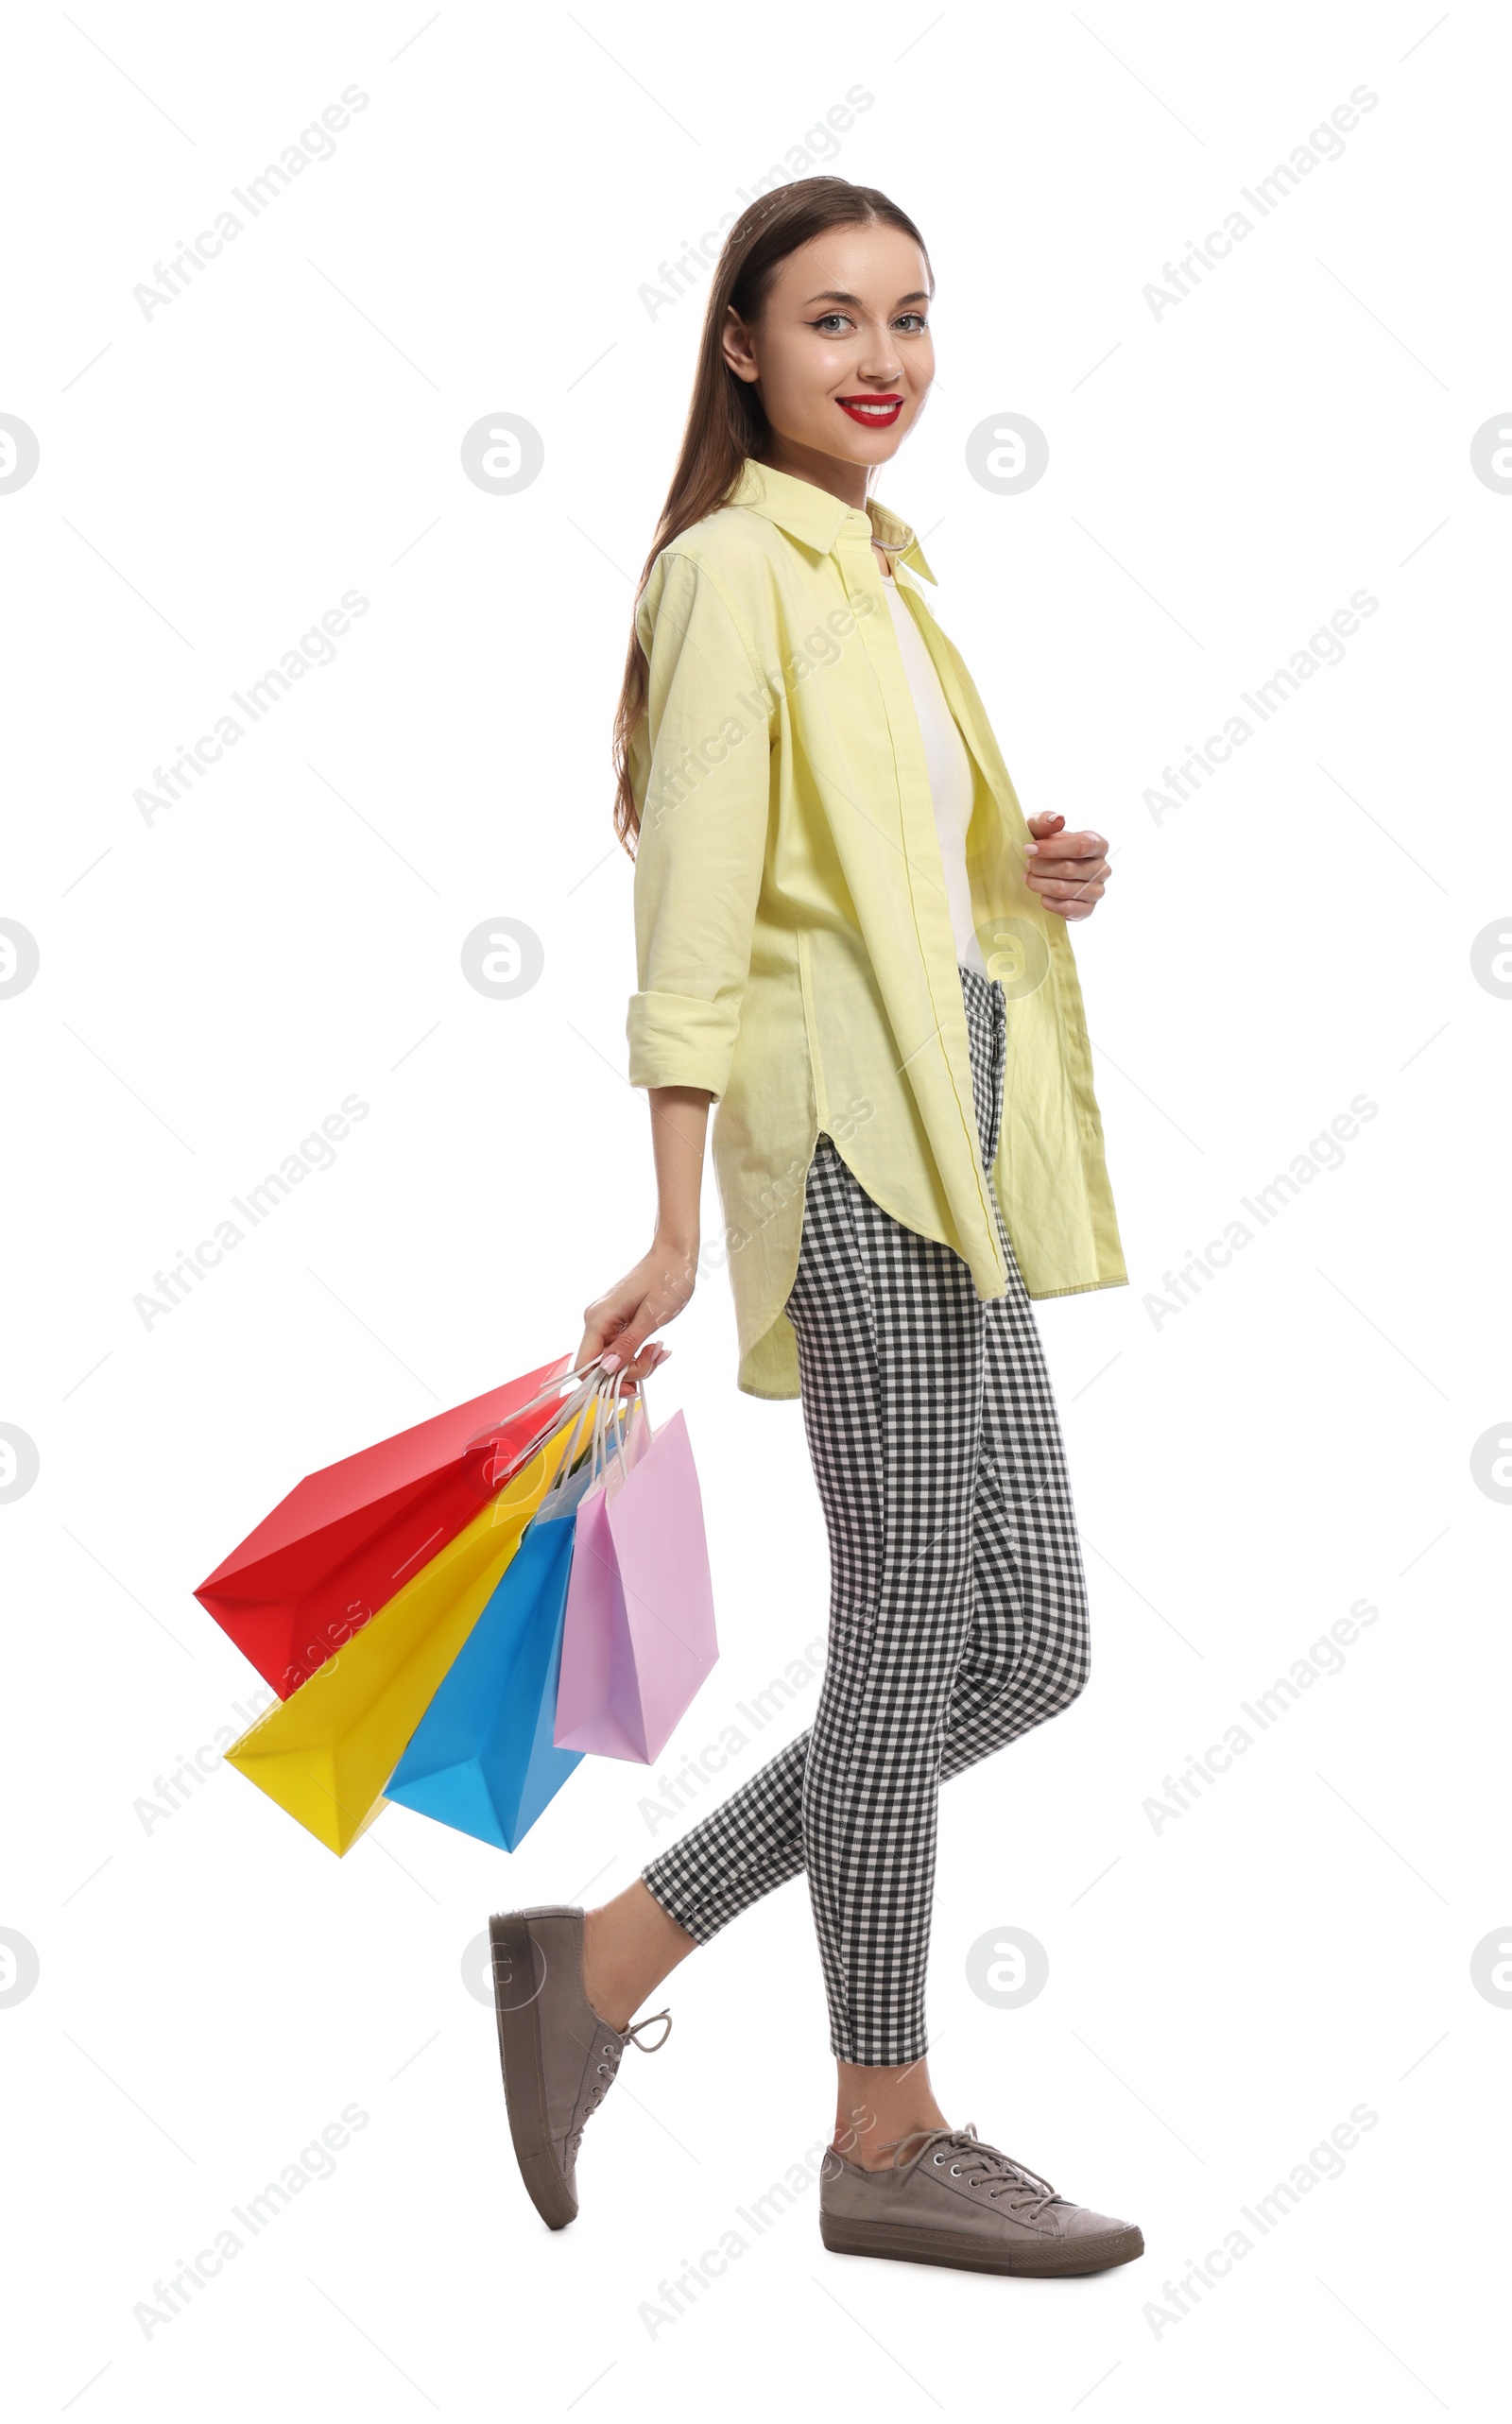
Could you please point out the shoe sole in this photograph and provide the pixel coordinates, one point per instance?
(525, 2077)
(1055, 2259)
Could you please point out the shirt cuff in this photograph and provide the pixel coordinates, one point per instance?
(677, 1039)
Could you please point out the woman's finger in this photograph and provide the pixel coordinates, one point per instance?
(1066, 870)
(649, 1360)
(1077, 844)
(1072, 863)
(621, 1356)
(1070, 890)
(1075, 870)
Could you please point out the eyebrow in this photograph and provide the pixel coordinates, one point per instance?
(833, 295)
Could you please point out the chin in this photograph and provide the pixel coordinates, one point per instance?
(853, 445)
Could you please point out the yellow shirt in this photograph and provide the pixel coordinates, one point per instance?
(795, 953)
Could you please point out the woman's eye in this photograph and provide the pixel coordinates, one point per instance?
(833, 323)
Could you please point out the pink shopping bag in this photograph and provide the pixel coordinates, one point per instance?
(638, 1637)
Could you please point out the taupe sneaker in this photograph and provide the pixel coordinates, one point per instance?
(559, 2059)
(952, 2200)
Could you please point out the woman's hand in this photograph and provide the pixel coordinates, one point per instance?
(1068, 871)
(623, 1319)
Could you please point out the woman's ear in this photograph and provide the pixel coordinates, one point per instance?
(738, 349)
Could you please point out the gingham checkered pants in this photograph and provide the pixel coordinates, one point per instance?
(957, 1611)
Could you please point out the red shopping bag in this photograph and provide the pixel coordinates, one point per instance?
(347, 1539)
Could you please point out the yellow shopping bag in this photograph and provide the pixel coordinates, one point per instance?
(325, 1754)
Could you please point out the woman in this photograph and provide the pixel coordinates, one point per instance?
(828, 846)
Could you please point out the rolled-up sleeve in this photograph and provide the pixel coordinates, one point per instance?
(701, 771)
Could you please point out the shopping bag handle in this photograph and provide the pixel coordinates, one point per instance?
(579, 1374)
(626, 1407)
(561, 1382)
(582, 1406)
(599, 1390)
(591, 1380)
(611, 1412)
(591, 1400)
(566, 1412)
(616, 1409)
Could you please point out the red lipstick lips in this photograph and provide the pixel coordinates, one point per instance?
(873, 412)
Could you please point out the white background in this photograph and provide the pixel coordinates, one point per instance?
(213, 1991)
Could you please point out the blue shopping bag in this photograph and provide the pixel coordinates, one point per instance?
(482, 1758)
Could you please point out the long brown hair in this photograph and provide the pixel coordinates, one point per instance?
(725, 418)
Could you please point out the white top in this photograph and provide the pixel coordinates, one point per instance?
(951, 781)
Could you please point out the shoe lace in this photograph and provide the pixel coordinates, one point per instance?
(980, 2165)
(610, 2054)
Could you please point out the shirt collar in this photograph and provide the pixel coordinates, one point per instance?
(815, 518)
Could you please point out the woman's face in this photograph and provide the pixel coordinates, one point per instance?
(841, 355)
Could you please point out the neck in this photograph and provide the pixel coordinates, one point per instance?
(846, 481)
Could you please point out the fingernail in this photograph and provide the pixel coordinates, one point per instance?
(610, 1364)
(1031, 850)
